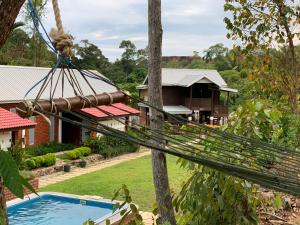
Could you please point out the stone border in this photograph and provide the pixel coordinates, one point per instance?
(59, 166)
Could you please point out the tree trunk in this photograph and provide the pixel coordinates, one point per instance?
(3, 212)
(159, 164)
(9, 10)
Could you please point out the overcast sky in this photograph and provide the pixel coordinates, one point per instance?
(189, 25)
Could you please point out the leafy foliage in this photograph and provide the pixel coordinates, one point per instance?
(211, 197)
(41, 161)
(110, 146)
(259, 25)
(11, 177)
(78, 152)
(48, 148)
(131, 212)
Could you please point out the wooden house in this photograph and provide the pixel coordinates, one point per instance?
(198, 95)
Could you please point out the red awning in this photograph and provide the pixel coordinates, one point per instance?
(115, 110)
(11, 121)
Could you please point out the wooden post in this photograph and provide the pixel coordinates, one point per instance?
(191, 96)
(212, 102)
(159, 163)
(227, 102)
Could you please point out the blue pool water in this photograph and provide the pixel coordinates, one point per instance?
(51, 209)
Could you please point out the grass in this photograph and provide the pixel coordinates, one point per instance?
(136, 174)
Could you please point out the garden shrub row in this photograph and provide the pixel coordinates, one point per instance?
(108, 146)
(41, 161)
(48, 148)
(78, 152)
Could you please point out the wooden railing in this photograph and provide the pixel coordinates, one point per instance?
(220, 110)
(205, 104)
(198, 103)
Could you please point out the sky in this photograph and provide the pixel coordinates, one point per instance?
(188, 25)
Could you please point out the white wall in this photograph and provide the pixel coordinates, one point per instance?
(5, 138)
(113, 124)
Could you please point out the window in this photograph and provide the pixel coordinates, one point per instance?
(52, 126)
(32, 132)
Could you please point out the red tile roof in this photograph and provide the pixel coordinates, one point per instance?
(9, 121)
(115, 110)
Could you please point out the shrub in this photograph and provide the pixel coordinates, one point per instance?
(108, 146)
(48, 148)
(27, 175)
(18, 155)
(30, 164)
(78, 152)
(41, 161)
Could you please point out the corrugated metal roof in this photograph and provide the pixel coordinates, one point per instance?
(15, 81)
(117, 109)
(9, 120)
(177, 109)
(187, 77)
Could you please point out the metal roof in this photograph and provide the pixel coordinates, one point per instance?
(15, 81)
(105, 111)
(177, 109)
(188, 77)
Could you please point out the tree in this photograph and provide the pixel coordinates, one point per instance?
(128, 56)
(38, 46)
(215, 52)
(89, 56)
(159, 164)
(9, 11)
(262, 24)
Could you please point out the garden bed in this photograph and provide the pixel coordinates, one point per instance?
(59, 166)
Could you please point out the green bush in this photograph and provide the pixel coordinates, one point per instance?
(18, 155)
(30, 164)
(78, 152)
(108, 146)
(41, 161)
(27, 175)
(48, 148)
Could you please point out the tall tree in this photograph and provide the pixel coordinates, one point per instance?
(89, 56)
(159, 164)
(9, 10)
(262, 24)
(38, 46)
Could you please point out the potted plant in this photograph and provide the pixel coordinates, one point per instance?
(82, 163)
(67, 168)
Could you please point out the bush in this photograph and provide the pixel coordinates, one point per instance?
(48, 148)
(108, 146)
(41, 161)
(27, 175)
(18, 155)
(78, 152)
(30, 164)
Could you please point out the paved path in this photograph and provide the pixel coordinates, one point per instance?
(76, 171)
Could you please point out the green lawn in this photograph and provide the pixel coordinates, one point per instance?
(136, 174)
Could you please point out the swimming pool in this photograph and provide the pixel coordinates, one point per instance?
(59, 209)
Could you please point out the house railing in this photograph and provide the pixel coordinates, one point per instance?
(220, 110)
(203, 104)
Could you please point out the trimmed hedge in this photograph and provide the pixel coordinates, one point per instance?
(108, 146)
(48, 148)
(41, 161)
(78, 152)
